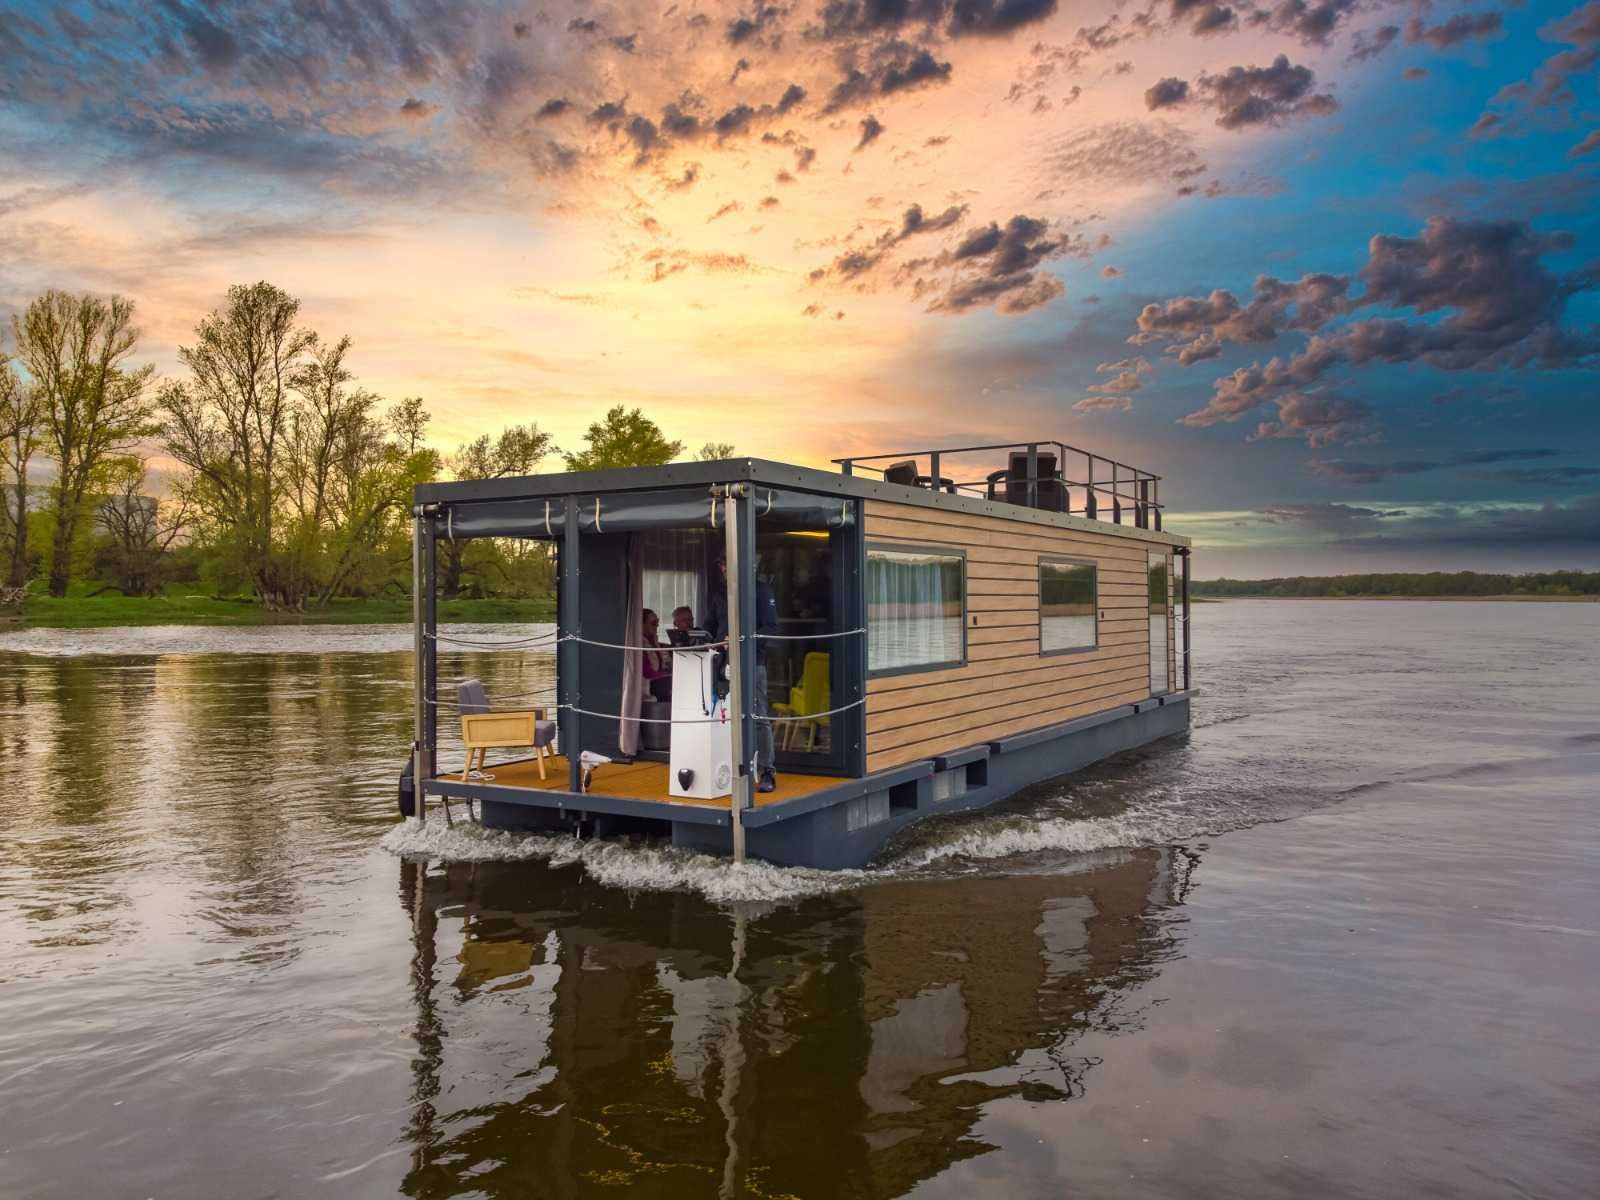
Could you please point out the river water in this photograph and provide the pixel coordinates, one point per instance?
(1343, 938)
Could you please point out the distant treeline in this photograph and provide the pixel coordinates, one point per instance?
(1433, 583)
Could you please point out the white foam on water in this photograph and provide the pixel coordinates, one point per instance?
(626, 865)
(1006, 837)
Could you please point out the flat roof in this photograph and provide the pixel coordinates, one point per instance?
(771, 474)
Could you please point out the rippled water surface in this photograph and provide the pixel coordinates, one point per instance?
(1343, 938)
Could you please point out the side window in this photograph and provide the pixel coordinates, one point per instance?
(916, 609)
(1069, 601)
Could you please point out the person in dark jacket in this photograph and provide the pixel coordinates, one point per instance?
(766, 622)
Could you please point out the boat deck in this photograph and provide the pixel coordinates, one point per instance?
(638, 780)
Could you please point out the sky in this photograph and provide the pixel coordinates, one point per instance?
(1329, 267)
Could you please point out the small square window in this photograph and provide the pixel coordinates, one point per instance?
(1069, 599)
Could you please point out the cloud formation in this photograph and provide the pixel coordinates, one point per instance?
(1490, 299)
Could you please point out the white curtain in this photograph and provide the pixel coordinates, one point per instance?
(674, 563)
(914, 608)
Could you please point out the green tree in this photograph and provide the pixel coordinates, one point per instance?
(517, 451)
(20, 420)
(624, 438)
(91, 406)
(294, 476)
(714, 452)
(140, 529)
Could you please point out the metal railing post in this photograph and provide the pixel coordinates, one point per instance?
(734, 565)
(419, 731)
(567, 682)
(1033, 475)
(1184, 553)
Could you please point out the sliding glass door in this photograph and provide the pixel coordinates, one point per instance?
(1160, 663)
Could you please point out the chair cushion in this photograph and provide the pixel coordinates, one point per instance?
(544, 732)
(471, 697)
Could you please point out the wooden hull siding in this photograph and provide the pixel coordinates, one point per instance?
(1006, 685)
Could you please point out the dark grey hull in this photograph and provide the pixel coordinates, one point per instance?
(845, 825)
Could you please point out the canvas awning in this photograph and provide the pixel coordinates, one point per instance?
(626, 512)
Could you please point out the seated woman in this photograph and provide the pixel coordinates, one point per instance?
(657, 662)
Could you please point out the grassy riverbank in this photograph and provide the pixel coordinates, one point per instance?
(179, 606)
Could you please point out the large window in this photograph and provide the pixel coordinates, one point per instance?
(1068, 606)
(916, 608)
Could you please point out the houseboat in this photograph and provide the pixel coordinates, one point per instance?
(849, 652)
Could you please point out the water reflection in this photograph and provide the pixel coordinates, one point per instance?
(569, 1035)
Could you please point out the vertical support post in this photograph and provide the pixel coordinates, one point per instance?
(1033, 475)
(937, 482)
(1141, 511)
(1091, 505)
(1116, 497)
(430, 646)
(567, 682)
(847, 467)
(738, 664)
(419, 774)
(1184, 552)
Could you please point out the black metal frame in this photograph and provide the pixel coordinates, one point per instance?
(1144, 498)
(1067, 559)
(913, 548)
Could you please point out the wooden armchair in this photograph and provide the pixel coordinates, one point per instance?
(484, 728)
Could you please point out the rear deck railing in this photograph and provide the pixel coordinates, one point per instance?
(1036, 475)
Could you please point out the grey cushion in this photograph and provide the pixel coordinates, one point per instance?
(544, 732)
(471, 696)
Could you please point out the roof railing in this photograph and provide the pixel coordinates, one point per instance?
(1035, 476)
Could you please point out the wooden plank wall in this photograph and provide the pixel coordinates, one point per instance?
(1007, 686)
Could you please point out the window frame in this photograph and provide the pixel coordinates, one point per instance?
(1073, 561)
(866, 607)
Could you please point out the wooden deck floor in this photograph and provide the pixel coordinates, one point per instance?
(642, 780)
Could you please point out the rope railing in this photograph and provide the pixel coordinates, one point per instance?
(539, 639)
(807, 637)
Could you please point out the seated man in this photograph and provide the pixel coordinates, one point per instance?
(682, 623)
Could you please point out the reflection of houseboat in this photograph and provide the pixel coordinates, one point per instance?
(914, 643)
(569, 1034)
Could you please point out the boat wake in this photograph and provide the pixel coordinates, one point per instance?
(631, 866)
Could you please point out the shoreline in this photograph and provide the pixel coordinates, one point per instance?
(1505, 599)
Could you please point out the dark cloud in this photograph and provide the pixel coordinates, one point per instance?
(849, 19)
(856, 263)
(554, 107)
(1271, 95)
(871, 130)
(1550, 88)
(1589, 145)
(1462, 27)
(214, 47)
(998, 266)
(628, 43)
(1326, 517)
(1367, 45)
(887, 67)
(1313, 24)
(756, 22)
(583, 25)
(416, 109)
(1501, 308)
(1540, 476)
(1346, 471)
(1166, 93)
(1195, 327)
(1320, 419)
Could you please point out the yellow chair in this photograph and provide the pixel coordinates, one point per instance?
(483, 729)
(809, 698)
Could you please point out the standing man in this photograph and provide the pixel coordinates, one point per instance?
(766, 622)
